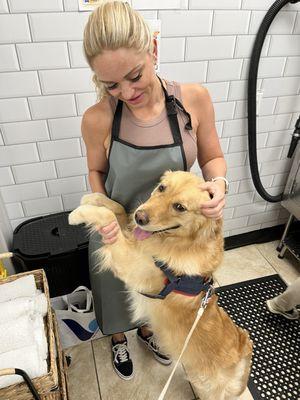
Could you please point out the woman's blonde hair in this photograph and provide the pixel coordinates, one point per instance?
(113, 25)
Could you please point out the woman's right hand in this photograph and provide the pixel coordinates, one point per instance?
(109, 232)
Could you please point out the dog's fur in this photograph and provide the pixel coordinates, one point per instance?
(218, 356)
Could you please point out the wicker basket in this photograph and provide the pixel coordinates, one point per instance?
(45, 383)
(61, 392)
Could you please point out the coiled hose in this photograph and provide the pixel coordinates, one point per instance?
(252, 85)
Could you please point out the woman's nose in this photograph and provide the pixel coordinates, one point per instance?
(127, 92)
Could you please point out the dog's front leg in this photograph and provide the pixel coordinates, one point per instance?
(96, 217)
(119, 256)
(101, 200)
(123, 257)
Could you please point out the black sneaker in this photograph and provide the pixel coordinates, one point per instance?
(121, 359)
(149, 341)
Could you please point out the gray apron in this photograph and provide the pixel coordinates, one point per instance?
(133, 172)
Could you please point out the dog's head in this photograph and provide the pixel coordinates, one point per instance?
(174, 208)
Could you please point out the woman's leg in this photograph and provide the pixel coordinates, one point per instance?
(145, 335)
(111, 310)
(109, 294)
(290, 298)
(285, 304)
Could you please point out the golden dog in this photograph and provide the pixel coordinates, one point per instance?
(171, 228)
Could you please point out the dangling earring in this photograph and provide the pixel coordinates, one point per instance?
(155, 63)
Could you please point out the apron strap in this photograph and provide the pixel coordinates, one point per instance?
(173, 121)
(171, 102)
(117, 120)
(176, 102)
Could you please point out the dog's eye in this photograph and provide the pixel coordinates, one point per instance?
(161, 188)
(179, 207)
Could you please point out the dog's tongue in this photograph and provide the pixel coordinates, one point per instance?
(140, 234)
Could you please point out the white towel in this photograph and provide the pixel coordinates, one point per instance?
(26, 358)
(40, 336)
(22, 287)
(13, 309)
(16, 334)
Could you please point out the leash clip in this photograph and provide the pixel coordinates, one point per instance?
(207, 297)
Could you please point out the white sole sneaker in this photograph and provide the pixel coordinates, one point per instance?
(164, 361)
(274, 310)
(125, 378)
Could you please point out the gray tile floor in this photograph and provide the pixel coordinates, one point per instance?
(91, 375)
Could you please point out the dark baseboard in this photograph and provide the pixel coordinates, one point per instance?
(259, 236)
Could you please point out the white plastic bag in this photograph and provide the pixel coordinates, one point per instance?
(76, 318)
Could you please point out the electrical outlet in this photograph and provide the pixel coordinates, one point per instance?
(259, 97)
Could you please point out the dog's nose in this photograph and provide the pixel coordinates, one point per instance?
(141, 217)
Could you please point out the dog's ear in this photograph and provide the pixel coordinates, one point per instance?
(211, 229)
(217, 225)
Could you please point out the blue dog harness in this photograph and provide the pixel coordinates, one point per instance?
(188, 285)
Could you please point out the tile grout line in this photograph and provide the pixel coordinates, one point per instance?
(96, 371)
(277, 272)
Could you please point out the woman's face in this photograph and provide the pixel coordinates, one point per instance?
(127, 75)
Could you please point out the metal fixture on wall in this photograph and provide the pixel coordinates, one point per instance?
(252, 88)
(290, 198)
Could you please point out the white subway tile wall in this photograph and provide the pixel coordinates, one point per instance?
(45, 87)
(36, 56)
(8, 58)
(3, 6)
(34, 172)
(25, 132)
(84, 101)
(25, 6)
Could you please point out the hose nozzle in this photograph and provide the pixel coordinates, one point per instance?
(295, 137)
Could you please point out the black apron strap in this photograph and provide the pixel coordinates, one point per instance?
(188, 125)
(117, 120)
(171, 103)
(176, 102)
(173, 121)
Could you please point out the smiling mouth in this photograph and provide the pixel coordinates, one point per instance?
(167, 229)
(135, 98)
(141, 234)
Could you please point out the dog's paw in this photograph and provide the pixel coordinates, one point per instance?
(76, 217)
(95, 199)
(91, 215)
(105, 216)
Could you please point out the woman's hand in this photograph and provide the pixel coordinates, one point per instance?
(214, 207)
(109, 232)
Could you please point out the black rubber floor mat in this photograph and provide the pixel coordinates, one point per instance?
(275, 373)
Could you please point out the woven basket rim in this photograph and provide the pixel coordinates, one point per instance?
(61, 392)
(45, 383)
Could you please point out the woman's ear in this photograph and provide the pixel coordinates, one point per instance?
(154, 53)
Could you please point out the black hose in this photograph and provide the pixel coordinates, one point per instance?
(23, 374)
(252, 84)
(29, 383)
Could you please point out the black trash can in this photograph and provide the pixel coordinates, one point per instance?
(59, 248)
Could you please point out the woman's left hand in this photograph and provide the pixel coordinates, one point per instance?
(214, 207)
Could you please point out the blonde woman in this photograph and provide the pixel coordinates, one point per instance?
(141, 126)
